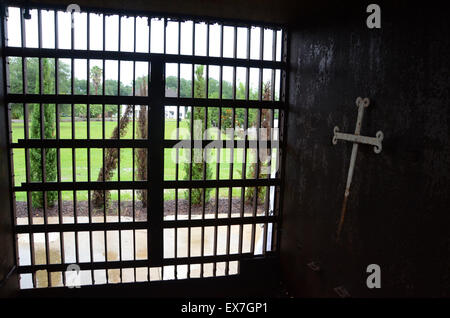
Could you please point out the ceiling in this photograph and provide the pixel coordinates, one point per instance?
(265, 11)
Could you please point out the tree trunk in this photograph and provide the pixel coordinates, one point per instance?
(266, 121)
(142, 133)
(111, 158)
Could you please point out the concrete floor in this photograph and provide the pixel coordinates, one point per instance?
(127, 251)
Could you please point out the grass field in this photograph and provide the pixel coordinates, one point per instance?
(126, 158)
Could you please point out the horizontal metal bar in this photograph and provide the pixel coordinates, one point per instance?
(136, 56)
(167, 224)
(205, 259)
(72, 227)
(82, 185)
(83, 266)
(139, 100)
(138, 263)
(181, 184)
(119, 226)
(81, 143)
(124, 185)
(77, 99)
(223, 144)
(222, 61)
(238, 103)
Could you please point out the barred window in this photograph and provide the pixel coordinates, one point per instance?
(143, 147)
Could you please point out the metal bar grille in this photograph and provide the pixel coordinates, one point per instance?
(138, 144)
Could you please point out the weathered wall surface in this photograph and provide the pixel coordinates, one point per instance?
(8, 278)
(398, 210)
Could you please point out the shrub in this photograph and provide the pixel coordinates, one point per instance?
(198, 163)
(48, 112)
(36, 154)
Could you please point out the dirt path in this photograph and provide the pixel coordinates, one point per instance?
(126, 209)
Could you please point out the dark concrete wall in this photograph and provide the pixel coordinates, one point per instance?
(8, 277)
(398, 210)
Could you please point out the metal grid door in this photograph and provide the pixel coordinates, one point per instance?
(105, 107)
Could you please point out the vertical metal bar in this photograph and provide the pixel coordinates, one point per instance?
(191, 150)
(133, 175)
(217, 189)
(164, 35)
(42, 135)
(88, 134)
(230, 190)
(103, 148)
(119, 48)
(119, 64)
(149, 23)
(24, 64)
(193, 37)
(28, 179)
(157, 242)
(176, 168)
(218, 151)
(190, 189)
(235, 43)
(133, 149)
(244, 176)
(261, 43)
(255, 195)
(27, 150)
(73, 149)
(221, 40)
(274, 54)
(205, 125)
(118, 192)
(282, 119)
(261, 52)
(105, 236)
(156, 157)
(75, 214)
(249, 34)
(207, 67)
(267, 200)
(244, 161)
(58, 150)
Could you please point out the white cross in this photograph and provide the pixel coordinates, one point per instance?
(356, 138)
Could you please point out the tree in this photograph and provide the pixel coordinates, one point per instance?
(266, 120)
(142, 133)
(111, 157)
(36, 154)
(96, 76)
(197, 161)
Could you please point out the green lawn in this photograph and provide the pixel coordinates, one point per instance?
(126, 159)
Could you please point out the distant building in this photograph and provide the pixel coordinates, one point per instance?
(171, 111)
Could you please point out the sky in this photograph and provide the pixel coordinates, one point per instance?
(142, 43)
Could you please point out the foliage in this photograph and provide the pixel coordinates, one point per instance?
(36, 164)
(199, 168)
(96, 76)
(95, 111)
(111, 158)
